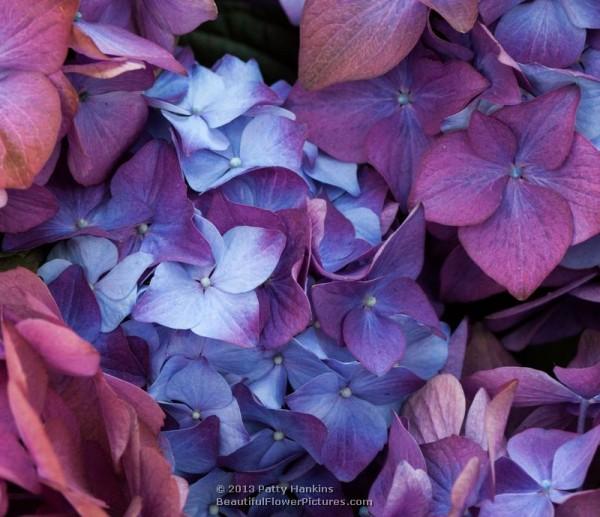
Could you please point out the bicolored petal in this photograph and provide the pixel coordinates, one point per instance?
(437, 410)
(457, 468)
(271, 141)
(344, 41)
(229, 317)
(174, 299)
(95, 39)
(30, 119)
(34, 36)
(251, 255)
(516, 246)
(408, 492)
(534, 388)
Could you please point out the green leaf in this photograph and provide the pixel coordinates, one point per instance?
(31, 260)
(258, 30)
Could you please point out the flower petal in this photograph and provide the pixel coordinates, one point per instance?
(251, 255)
(578, 181)
(535, 387)
(96, 141)
(461, 14)
(572, 460)
(90, 39)
(437, 410)
(375, 340)
(349, 40)
(541, 32)
(456, 186)
(229, 317)
(35, 36)
(174, 299)
(545, 127)
(29, 123)
(533, 450)
(516, 246)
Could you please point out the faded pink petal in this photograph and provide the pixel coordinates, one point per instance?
(344, 40)
(30, 119)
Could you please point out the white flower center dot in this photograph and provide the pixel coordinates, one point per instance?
(81, 223)
(403, 99)
(205, 282)
(143, 228)
(235, 162)
(196, 415)
(370, 301)
(278, 436)
(346, 392)
(278, 359)
(213, 509)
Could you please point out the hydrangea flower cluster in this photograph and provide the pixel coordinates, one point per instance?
(378, 284)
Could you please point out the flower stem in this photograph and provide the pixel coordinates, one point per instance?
(583, 407)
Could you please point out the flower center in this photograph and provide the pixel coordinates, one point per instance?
(317, 324)
(236, 161)
(346, 392)
(278, 359)
(196, 415)
(369, 301)
(143, 228)
(515, 171)
(278, 436)
(81, 223)
(546, 484)
(213, 509)
(205, 282)
(404, 98)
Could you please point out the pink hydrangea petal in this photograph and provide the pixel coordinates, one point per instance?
(516, 246)
(457, 187)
